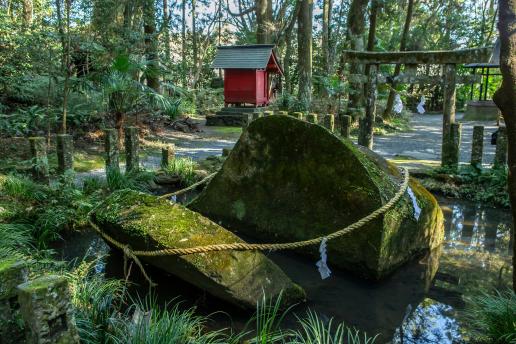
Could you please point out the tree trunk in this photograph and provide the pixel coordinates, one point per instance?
(28, 10)
(506, 101)
(119, 126)
(288, 49)
(151, 45)
(325, 42)
(263, 10)
(166, 31)
(183, 43)
(403, 46)
(194, 38)
(355, 36)
(304, 43)
(371, 37)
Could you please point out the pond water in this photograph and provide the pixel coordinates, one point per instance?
(423, 302)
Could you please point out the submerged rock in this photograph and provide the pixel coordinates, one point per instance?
(289, 180)
(146, 222)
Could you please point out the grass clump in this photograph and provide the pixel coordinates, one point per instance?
(494, 315)
(184, 168)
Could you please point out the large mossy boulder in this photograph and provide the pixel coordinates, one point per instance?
(288, 180)
(146, 222)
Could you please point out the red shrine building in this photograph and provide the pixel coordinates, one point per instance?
(247, 73)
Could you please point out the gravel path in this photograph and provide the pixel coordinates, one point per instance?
(419, 148)
(423, 142)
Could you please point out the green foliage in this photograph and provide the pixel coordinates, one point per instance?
(170, 325)
(495, 316)
(96, 302)
(315, 331)
(137, 180)
(15, 239)
(49, 210)
(184, 168)
(485, 185)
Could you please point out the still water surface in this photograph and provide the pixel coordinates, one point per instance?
(423, 302)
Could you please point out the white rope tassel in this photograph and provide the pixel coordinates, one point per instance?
(398, 104)
(420, 106)
(323, 268)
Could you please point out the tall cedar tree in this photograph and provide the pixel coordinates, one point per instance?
(505, 98)
(304, 50)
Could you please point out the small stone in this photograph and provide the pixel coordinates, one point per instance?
(283, 113)
(329, 122)
(111, 150)
(38, 149)
(168, 154)
(47, 311)
(132, 149)
(64, 147)
(477, 147)
(312, 118)
(345, 126)
(451, 147)
(12, 273)
(500, 159)
(268, 113)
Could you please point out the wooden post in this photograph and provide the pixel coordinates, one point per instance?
(329, 122)
(247, 118)
(64, 153)
(345, 126)
(47, 311)
(132, 148)
(312, 118)
(366, 123)
(12, 273)
(500, 160)
(168, 154)
(111, 150)
(450, 78)
(477, 147)
(451, 148)
(38, 149)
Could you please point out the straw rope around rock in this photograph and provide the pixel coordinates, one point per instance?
(134, 254)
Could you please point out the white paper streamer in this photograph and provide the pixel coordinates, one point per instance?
(417, 209)
(324, 270)
(420, 106)
(398, 104)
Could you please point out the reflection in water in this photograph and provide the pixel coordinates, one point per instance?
(430, 322)
(474, 227)
(417, 304)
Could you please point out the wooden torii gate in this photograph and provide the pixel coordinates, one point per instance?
(450, 60)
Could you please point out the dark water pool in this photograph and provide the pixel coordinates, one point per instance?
(423, 302)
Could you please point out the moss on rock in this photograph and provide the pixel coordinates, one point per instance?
(289, 180)
(146, 222)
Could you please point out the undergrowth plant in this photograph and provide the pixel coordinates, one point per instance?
(494, 316)
(478, 185)
(184, 168)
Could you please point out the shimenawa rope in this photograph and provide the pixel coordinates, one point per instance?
(134, 254)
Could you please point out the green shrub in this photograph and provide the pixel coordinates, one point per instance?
(184, 168)
(495, 316)
(170, 325)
